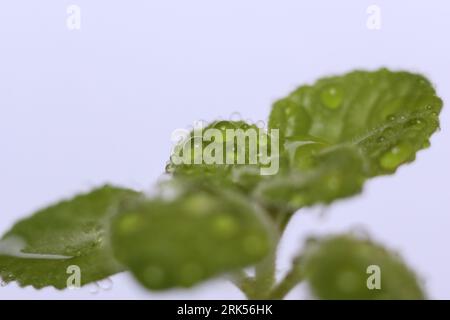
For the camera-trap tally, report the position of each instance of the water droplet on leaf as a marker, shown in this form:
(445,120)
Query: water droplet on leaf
(260,124)
(129,222)
(391,118)
(415,124)
(8,277)
(201,123)
(94,288)
(200,204)
(170,168)
(361,232)
(331,97)
(235,116)
(224,226)
(396,156)
(106,284)
(98,241)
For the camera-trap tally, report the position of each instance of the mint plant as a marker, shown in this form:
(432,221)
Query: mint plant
(211,219)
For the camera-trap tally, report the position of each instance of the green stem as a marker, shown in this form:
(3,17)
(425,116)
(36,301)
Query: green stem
(244,283)
(265,276)
(265,271)
(290,281)
(263,285)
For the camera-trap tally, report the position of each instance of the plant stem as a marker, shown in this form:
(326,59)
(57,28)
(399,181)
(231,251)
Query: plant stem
(289,282)
(244,283)
(265,271)
(263,285)
(265,276)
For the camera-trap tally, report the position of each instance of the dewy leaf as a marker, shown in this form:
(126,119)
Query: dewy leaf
(333,173)
(188,234)
(382,117)
(347,267)
(37,251)
(233,162)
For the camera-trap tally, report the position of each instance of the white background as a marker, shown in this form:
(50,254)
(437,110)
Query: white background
(81,108)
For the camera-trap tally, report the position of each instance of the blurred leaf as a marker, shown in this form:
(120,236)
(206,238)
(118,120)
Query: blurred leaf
(187,234)
(345,267)
(38,250)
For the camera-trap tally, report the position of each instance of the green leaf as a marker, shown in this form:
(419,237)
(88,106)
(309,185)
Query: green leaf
(347,267)
(38,250)
(371,122)
(189,233)
(242,176)
(333,173)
